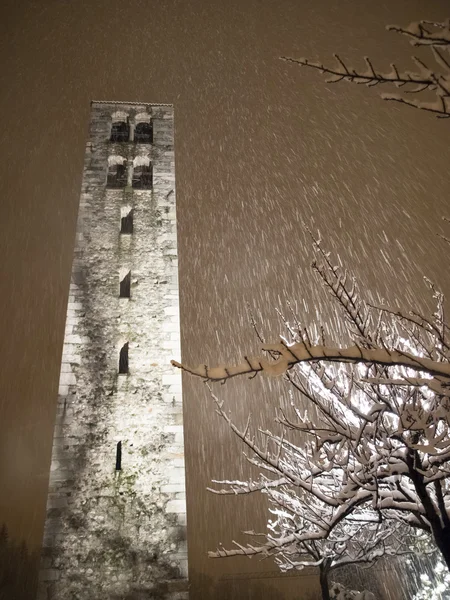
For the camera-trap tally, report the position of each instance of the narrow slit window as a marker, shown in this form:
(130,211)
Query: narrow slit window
(123,360)
(125,286)
(126,222)
(119,456)
(120,132)
(143,134)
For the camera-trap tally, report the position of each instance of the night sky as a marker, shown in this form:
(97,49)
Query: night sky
(263,148)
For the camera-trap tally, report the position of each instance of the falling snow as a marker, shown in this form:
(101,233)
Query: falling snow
(262,148)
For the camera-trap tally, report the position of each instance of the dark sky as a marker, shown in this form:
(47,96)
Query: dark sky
(262,148)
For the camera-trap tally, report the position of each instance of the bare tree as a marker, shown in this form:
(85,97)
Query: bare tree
(374,459)
(415,85)
(381,440)
(307,528)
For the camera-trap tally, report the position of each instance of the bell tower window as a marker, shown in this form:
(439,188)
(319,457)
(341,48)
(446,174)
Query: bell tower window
(142,173)
(117,172)
(120,132)
(143,134)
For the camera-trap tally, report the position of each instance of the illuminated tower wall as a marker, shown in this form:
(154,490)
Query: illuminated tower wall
(116,512)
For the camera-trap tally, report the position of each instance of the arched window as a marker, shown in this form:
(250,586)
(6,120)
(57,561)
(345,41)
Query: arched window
(120,131)
(117,172)
(142,173)
(143,133)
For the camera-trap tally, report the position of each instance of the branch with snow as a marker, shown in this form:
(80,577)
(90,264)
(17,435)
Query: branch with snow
(358,465)
(378,448)
(318,516)
(434,79)
(290,355)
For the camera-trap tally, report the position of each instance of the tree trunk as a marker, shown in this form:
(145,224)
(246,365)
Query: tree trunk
(442,539)
(323,575)
(441,534)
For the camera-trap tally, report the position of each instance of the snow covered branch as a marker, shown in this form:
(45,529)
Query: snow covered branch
(357,466)
(371,467)
(426,33)
(434,79)
(290,355)
(315,519)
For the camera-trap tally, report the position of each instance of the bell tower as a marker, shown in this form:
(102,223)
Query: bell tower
(116,511)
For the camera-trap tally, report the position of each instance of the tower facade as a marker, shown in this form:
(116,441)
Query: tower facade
(116,512)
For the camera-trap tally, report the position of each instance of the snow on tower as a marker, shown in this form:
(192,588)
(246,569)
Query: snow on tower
(116,512)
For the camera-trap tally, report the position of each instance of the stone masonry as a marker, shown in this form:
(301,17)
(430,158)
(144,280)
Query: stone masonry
(116,512)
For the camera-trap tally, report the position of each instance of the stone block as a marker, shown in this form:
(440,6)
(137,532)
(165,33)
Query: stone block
(174,389)
(173,429)
(172,379)
(171,327)
(173,487)
(176,506)
(72,320)
(74,339)
(179,438)
(66,379)
(182,519)
(61,475)
(75,306)
(175,475)
(63,390)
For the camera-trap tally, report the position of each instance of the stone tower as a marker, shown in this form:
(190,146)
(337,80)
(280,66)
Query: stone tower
(116,512)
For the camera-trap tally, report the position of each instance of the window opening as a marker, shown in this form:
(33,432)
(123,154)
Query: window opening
(126,222)
(143,177)
(119,456)
(117,175)
(120,132)
(123,360)
(125,286)
(143,133)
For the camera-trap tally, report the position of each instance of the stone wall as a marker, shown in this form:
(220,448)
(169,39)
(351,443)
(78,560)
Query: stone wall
(120,533)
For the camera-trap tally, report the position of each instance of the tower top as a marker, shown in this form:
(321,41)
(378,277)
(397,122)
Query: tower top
(129,103)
